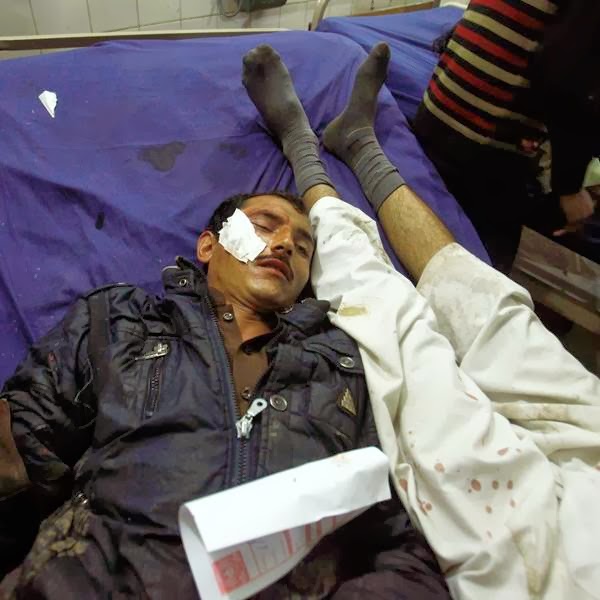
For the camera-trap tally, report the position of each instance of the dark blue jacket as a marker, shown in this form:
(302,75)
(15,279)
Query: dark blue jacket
(127,410)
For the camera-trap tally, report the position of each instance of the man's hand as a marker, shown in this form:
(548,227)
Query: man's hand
(13,475)
(577,208)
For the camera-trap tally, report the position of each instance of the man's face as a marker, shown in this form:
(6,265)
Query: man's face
(275,279)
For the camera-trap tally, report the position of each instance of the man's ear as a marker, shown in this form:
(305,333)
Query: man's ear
(205,246)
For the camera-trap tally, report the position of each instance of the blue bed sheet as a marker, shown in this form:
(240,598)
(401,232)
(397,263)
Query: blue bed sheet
(149,137)
(410,36)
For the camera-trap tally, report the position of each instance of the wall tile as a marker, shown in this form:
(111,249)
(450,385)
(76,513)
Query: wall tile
(265,18)
(339,8)
(112,14)
(198,8)
(293,16)
(210,22)
(60,16)
(169,26)
(365,6)
(158,11)
(16,18)
(240,21)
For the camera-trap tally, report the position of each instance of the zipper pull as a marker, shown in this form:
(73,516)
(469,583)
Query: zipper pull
(159,350)
(244,425)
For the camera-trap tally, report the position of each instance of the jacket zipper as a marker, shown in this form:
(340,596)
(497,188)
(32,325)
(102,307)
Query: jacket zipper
(241,445)
(157,354)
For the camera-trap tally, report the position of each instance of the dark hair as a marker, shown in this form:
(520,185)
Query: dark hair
(228,207)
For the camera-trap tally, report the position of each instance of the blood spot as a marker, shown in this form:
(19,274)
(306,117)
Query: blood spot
(503,451)
(488,509)
(428,506)
(439,467)
(495,484)
(476,485)
(489,534)
(512,503)
(509,485)
(404,484)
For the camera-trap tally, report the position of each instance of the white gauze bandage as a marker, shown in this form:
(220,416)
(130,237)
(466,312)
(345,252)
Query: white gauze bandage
(239,238)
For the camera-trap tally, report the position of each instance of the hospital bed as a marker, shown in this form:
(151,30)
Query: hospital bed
(149,136)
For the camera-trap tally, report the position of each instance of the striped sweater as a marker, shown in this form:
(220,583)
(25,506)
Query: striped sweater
(481,86)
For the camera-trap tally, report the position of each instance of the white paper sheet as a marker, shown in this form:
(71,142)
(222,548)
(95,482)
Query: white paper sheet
(49,100)
(244,539)
(239,238)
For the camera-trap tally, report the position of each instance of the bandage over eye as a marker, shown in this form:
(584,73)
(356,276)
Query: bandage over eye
(239,237)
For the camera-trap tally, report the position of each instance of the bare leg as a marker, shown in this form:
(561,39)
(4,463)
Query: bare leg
(315,193)
(414,231)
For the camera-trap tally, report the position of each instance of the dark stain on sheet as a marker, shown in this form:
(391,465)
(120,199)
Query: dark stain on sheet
(237,151)
(162,158)
(100,220)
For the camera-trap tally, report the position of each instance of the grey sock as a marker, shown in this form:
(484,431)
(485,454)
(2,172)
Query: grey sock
(377,176)
(301,148)
(351,136)
(270,87)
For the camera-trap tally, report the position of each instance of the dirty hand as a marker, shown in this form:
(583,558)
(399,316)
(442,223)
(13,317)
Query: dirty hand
(577,208)
(13,475)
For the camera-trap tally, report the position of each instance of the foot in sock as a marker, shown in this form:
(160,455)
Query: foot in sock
(351,136)
(362,106)
(270,87)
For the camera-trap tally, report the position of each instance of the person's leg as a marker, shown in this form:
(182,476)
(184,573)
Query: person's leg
(413,230)
(430,416)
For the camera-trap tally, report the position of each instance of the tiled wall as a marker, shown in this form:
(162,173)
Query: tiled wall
(31,17)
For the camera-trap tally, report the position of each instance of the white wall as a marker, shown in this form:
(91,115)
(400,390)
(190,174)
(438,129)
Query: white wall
(30,17)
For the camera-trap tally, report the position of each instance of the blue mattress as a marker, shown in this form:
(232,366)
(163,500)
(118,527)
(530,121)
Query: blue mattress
(149,137)
(410,36)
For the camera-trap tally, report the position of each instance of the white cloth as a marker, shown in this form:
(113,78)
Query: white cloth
(492,429)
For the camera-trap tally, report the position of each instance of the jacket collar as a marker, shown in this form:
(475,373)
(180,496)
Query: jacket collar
(186,279)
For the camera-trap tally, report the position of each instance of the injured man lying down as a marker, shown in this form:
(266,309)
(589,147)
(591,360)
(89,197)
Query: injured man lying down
(129,408)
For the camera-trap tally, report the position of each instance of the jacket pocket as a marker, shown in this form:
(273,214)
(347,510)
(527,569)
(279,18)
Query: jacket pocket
(155,358)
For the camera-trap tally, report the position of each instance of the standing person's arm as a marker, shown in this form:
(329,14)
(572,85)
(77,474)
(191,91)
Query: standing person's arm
(45,414)
(565,82)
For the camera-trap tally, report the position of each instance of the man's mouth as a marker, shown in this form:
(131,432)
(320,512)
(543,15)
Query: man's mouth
(275,264)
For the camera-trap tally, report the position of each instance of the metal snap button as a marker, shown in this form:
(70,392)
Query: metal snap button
(228,316)
(182,282)
(81,500)
(278,402)
(347,362)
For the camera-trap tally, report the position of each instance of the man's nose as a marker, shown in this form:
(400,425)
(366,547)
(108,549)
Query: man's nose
(282,241)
